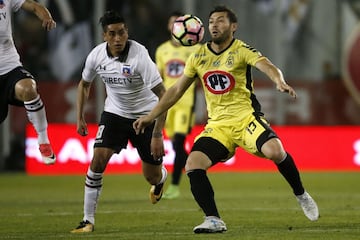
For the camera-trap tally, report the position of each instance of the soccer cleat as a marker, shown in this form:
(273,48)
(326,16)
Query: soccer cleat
(211,224)
(47,154)
(156,192)
(84,227)
(309,206)
(172,192)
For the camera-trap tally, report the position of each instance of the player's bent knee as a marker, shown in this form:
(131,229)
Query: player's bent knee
(273,150)
(197,160)
(276,156)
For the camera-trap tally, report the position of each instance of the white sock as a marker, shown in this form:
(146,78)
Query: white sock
(35,110)
(93,186)
(164,174)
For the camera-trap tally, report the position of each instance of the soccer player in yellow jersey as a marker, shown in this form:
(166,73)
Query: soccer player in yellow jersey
(235,118)
(170,59)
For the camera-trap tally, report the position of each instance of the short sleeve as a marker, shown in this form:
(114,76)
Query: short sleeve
(251,55)
(148,69)
(89,72)
(16,4)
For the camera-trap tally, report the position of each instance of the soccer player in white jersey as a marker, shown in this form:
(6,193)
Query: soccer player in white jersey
(17,85)
(235,117)
(133,86)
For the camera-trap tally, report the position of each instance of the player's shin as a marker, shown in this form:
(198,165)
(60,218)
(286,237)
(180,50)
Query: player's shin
(203,192)
(290,172)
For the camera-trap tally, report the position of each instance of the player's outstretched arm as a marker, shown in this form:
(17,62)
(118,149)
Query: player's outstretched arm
(41,12)
(275,74)
(171,96)
(157,143)
(159,91)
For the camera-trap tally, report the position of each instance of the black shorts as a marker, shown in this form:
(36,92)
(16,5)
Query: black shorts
(7,89)
(115,132)
(212,148)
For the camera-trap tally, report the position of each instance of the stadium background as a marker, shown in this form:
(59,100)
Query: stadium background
(315,43)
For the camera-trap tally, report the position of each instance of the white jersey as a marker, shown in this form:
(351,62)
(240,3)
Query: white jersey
(9,57)
(129,83)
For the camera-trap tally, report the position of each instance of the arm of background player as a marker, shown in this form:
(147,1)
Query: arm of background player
(83,92)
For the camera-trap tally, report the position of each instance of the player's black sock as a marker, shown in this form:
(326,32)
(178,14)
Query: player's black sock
(203,192)
(180,158)
(290,172)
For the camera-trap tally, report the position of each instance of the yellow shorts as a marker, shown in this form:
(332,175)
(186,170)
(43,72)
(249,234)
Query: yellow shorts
(250,134)
(180,119)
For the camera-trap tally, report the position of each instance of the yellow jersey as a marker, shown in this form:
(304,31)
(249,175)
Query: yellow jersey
(170,60)
(226,80)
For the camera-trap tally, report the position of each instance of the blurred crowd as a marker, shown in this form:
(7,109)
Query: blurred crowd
(58,55)
(290,41)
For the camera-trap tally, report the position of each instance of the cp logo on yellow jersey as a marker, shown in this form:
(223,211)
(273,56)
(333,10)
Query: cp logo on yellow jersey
(219,82)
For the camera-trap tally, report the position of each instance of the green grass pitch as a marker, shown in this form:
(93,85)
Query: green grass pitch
(253,205)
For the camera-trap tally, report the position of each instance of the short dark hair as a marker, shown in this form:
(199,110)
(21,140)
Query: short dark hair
(230,14)
(111,17)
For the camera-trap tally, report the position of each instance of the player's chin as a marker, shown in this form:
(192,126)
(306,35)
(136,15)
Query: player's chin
(118,47)
(216,39)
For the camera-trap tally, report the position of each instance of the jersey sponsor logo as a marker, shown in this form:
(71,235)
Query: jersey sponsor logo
(116,80)
(219,82)
(175,68)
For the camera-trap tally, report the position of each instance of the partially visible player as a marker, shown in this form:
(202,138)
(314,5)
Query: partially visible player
(133,87)
(17,85)
(170,58)
(235,118)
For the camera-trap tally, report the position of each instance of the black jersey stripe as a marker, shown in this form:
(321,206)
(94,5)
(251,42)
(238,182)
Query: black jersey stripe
(254,102)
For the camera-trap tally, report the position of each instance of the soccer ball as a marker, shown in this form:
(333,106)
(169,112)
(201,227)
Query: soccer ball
(188,30)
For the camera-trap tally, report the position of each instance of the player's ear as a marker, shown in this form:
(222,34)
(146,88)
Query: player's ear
(233,27)
(104,36)
(126,27)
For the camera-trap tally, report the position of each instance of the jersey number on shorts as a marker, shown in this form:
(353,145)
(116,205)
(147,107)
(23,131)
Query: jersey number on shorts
(100,131)
(251,127)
